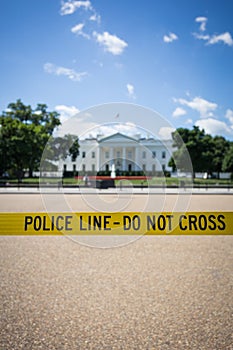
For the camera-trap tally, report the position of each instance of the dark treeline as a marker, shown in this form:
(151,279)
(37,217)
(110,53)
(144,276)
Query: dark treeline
(208,154)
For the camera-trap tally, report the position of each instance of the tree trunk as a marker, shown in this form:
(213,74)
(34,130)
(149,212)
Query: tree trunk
(30,173)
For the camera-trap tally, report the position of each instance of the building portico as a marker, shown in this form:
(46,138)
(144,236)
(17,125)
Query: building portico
(120,150)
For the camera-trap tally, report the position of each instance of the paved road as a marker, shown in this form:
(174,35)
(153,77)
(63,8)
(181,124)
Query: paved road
(162,293)
(114,202)
(127,190)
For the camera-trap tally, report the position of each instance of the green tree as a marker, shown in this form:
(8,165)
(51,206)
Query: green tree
(59,148)
(200,147)
(228,159)
(206,152)
(24,133)
(221,147)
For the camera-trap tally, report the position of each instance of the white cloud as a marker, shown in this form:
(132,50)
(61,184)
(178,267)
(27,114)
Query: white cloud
(111,43)
(199,104)
(95,18)
(8,110)
(213,126)
(38,112)
(229,115)
(178,112)
(77,124)
(202,21)
(69,7)
(226,38)
(70,73)
(127,128)
(78,29)
(170,38)
(130,89)
(165,132)
(189,121)
(201,36)
(66,111)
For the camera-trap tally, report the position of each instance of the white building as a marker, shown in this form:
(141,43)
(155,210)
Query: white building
(126,153)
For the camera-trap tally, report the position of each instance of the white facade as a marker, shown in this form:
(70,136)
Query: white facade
(126,153)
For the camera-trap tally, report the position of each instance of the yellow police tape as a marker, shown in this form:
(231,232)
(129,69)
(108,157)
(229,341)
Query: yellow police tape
(122,223)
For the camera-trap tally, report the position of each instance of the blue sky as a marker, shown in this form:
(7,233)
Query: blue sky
(175,57)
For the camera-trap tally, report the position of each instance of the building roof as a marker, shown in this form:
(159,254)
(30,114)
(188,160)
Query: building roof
(117,136)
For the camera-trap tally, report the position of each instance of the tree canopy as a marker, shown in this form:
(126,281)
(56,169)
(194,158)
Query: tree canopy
(24,133)
(208,154)
(228,160)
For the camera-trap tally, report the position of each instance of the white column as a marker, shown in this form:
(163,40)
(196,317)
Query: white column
(124,158)
(137,165)
(111,155)
(97,158)
(100,151)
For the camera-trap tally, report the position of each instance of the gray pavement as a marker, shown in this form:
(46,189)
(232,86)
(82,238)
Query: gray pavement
(117,190)
(162,293)
(157,293)
(40,202)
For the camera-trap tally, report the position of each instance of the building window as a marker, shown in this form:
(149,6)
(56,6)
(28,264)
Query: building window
(163,154)
(107,155)
(144,155)
(164,167)
(83,154)
(144,167)
(153,168)
(153,154)
(93,154)
(93,168)
(130,167)
(74,167)
(84,168)
(64,167)
(118,154)
(107,167)
(130,155)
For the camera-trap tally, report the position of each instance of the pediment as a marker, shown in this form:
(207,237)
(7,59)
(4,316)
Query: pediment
(118,137)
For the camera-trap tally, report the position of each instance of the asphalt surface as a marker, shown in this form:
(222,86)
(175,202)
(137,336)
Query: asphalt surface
(114,202)
(162,293)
